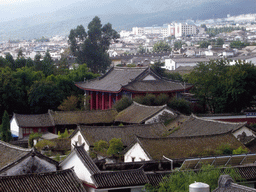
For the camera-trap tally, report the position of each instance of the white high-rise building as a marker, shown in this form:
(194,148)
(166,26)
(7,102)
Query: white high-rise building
(184,29)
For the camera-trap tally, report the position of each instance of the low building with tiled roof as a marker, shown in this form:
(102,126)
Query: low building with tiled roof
(196,126)
(65,180)
(91,134)
(138,113)
(179,147)
(95,179)
(18,161)
(22,125)
(130,81)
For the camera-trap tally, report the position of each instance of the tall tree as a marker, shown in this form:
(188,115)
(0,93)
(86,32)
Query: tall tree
(161,46)
(6,133)
(91,47)
(47,64)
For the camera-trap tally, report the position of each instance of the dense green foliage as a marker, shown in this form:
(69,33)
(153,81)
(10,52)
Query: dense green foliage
(122,104)
(91,47)
(180,105)
(33,136)
(5,128)
(113,148)
(238,44)
(180,180)
(223,87)
(43,144)
(215,31)
(36,86)
(161,46)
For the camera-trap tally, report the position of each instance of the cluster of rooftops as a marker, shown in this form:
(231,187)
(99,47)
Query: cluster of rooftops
(151,149)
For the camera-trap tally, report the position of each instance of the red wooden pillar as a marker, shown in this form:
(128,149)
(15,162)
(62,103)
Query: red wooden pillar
(116,97)
(109,101)
(102,101)
(91,99)
(97,100)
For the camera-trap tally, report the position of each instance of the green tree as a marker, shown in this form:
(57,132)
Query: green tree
(115,147)
(47,64)
(178,45)
(44,95)
(38,62)
(180,180)
(161,46)
(6,133)
(204,44)
(29,62)
(222,87)
(123,103)
(238,44)
(141,49)
(180,105)
(219,42)
(10,60)
(91,47)
(20,54)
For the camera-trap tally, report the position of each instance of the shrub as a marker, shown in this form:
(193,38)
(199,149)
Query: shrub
(101,147)
(180,105)
(33,136)
(63,135)
(239,150)
(122,103)
(115,147)
(44,144)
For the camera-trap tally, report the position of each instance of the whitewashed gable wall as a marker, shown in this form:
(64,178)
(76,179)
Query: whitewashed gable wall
(247,131)
(15,129)
(155,118)
(81,171)
(75,139)
(137,153)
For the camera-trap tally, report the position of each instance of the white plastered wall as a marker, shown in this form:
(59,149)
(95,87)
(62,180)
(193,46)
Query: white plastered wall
(247,131)
(156,117)
(81,171)
(74,139)
(15,129)
(136,153)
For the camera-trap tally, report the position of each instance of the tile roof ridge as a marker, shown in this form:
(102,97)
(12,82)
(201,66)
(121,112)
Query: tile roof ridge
(184,137)
(217,121)
(121,171)
(38,174)
(118,126)
(150,106)
(14,146)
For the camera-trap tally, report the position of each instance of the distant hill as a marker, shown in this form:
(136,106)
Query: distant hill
(121,14)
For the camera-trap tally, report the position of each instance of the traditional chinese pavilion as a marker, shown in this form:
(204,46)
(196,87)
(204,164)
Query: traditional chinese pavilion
(129,81)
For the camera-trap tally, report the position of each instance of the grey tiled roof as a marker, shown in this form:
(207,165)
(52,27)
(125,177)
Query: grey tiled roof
(113,80)
(83,117)
(126,133)
(40,120)
(155,86)
(10,153)
(52,181)
(120,178)
(137,113)
(187,147)
(196,126)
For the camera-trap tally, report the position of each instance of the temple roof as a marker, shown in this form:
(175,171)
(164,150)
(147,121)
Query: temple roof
(155,86)
(142,79)
(137,113)
(113,80)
